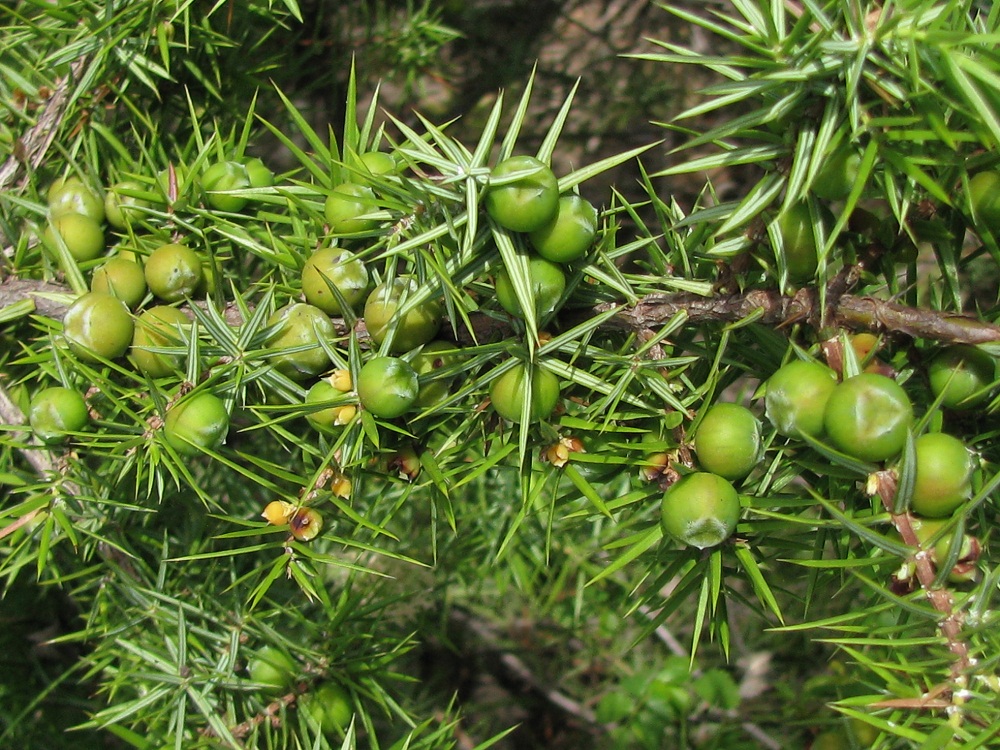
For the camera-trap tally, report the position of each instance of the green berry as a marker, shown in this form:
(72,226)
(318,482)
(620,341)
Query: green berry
(123,204)
(700,509)
(273,669)
(525,203)
(943,480)
(963,374)
(69,195)
(259,173)
(98,326)
(122,278)
(798,239)
(330,706)
(55,412)
(547,282)
(418,325)
(728,441)
(159,327)
(83,237)
(569,234)
(509,392)
(347,207)
(388,387)
(330,417)
(297,333)
(796,396)
(330,272)
(868,417)
(221,177)
(173,272)
(200,422)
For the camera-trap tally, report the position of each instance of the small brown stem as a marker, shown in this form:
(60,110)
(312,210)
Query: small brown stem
(769,306)
(34,144)
(271,712)
(941,599)
(10,413)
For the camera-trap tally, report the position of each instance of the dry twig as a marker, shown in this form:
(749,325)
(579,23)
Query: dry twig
(34,144)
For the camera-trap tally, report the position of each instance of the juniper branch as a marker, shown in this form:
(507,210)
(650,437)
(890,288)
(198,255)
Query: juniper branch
(34,144)
(773,308)
(940,598)
(770,307)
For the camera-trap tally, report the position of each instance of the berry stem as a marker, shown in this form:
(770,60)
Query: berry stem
(940,598)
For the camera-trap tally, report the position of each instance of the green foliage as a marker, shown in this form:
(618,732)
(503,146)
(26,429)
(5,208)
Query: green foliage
(365,543)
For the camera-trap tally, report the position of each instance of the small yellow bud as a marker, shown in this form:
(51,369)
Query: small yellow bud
(345,414)
(341,380)
(654,466)
(556,454)
(277,512)
(340,485)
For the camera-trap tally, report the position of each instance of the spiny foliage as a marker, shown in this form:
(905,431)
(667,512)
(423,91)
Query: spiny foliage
(179,583)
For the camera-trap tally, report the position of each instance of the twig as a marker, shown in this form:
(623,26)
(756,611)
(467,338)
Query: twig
(271,713)
(940,598)
(13,291)
(11,414)
(770,307)
(34,144)
(767,306)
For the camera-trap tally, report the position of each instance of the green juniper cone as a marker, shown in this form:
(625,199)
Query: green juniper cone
(388,387)
(199,422)
(81,235)
(700,509)
(97,326)
(157,327)
(943,478)
(868,417)
(173,272)
(510,391)
(298,334)
(386,313)
(56,412)
(522,203)
(728,441)
(796,397)
(122,278)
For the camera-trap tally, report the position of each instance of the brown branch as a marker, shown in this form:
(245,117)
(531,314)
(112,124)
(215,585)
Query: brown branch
(849,311)
(271,713)
(34,144)
(768,306)
(11,414)
(940,598)
(13,291)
